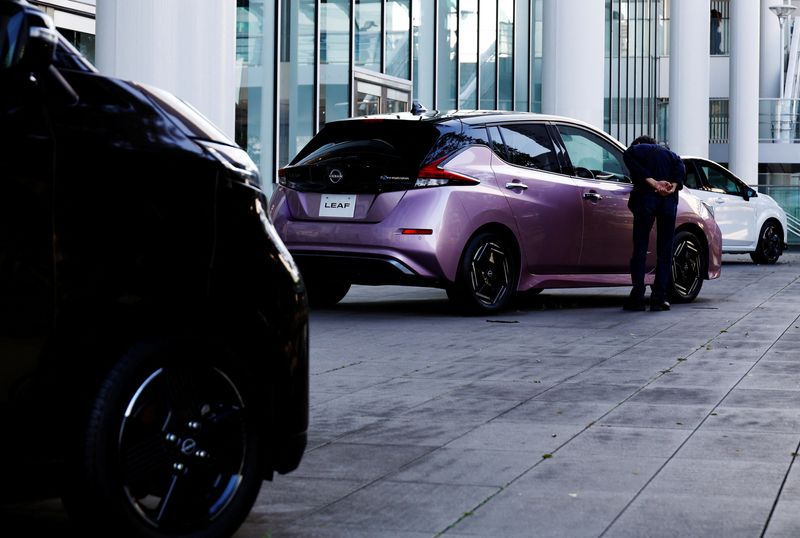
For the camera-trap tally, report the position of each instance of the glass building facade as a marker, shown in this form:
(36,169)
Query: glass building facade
(303,63)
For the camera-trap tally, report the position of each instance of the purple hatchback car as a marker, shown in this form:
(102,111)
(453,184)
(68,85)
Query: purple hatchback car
(482,204)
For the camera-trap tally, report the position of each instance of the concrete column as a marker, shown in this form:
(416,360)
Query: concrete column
(184,46)
(689,63)
(769,63)
(743,107)
(573,33)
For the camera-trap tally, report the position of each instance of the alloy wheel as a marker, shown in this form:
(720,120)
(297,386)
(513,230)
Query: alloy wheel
(686,268)
(490,274)
(182,447)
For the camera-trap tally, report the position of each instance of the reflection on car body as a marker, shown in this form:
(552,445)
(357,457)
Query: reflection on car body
(482,204)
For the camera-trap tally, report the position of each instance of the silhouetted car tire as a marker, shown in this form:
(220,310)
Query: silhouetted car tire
(687,268)
(487,275)
(770,243)
(324,293)
(171,447)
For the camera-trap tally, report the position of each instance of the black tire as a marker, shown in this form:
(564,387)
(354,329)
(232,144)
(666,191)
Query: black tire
(770,243)
(171,447)
(324,293)
(687,268)
(487,275)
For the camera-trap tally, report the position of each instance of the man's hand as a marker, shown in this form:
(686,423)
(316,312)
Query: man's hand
(664,188)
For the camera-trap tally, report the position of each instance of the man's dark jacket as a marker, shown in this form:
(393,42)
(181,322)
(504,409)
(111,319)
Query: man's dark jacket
(655,161)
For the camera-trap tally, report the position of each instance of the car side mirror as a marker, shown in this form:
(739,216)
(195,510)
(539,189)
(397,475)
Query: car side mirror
(748,193)
(28,38)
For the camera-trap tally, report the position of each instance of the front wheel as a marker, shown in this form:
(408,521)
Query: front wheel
(171,447)
(687,268)
(487,275)
(770,244)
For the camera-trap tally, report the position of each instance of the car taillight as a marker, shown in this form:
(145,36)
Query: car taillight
(433,175)
(282,176)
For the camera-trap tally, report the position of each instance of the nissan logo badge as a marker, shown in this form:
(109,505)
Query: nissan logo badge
(335,176)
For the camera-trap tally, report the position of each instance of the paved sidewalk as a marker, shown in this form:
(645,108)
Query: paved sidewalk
(566,418)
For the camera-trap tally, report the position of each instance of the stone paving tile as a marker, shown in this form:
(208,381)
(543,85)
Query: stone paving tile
(523,513)
(544,412)
(645,415)
(656,395)
(717,445)
(408,431)
(754,419)
(537,439)
(730,478)
(624,442)
(770,381)
(681,516)
(390,507)
(588,392)
(360,462)
(467,467)
(761,398)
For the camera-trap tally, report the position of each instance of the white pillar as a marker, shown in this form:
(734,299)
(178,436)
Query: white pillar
(574,59)
(769,63)
(184,46)
(743,107)
(689,63)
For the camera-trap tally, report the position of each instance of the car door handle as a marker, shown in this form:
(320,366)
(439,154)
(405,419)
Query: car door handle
(516,185)
(593,196)
(604,176)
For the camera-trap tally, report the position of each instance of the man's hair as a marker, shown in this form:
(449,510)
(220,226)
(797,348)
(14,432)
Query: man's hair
(644,139)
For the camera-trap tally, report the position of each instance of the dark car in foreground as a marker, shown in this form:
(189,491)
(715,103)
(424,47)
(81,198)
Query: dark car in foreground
(482,204)
(153,326)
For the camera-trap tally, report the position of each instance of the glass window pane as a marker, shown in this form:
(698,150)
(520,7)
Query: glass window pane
(468,54)
(297,77)
(334,58)
(505,54)
(398,19)
(369,24)
(588,151)
(529,145)
(488,53)
(82,41)
(448,41)
(247,122)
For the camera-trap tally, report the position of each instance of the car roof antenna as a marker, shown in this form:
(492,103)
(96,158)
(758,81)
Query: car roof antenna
(418,108)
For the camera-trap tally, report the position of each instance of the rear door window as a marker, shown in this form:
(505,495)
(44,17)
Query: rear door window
(525,144)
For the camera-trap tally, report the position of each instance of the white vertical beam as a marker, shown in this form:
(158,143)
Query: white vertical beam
(743,109)
(689,64)
(573,33)
(184,46)
(769,64)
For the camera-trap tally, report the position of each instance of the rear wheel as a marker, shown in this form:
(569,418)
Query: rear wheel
(171,447)
(487,276)
(323,293)
(770,243)
(687,268)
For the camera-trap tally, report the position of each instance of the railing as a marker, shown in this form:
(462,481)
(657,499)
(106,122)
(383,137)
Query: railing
(788,197)
(778,121)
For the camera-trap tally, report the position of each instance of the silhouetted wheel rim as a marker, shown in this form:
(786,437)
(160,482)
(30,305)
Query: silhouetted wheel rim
(490,274)
(770,243)
(686,268)
(182,447)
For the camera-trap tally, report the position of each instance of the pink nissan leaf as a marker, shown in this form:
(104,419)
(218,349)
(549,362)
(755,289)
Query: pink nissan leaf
(483,204)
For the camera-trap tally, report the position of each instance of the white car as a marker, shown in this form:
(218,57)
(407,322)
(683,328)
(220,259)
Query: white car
(750,221)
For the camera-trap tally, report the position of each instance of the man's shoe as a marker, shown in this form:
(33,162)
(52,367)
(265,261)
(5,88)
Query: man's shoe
(658,306)
(633,305)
